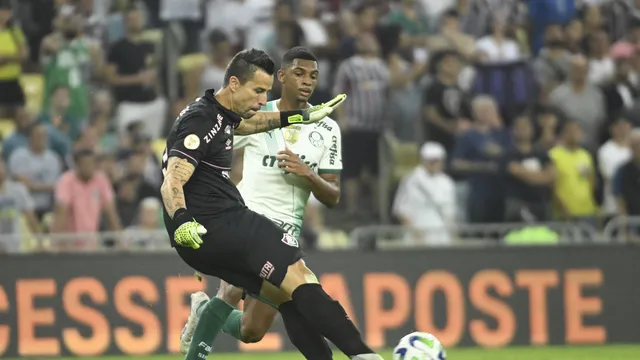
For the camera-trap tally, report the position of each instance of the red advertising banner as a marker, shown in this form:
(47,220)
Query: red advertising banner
(135,304)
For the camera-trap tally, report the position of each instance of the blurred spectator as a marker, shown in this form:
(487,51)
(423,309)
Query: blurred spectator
(364,21)
(66,61)
(498,46)
(414,23)
(620,94)
(581,101)
(451,38)
(57,141)
(611,156)
(188,15)
(530,175)
(405,96)
(574,187)
(211,74)
(479,151)
(426,199)
(365,78)
(288,35)
(444,102)
(574,37)
(136,167)
(148,163)
(38,168)
(553,64)
(630,43)
(238,17)
(543,13)
(58,114)
(13,51)
(592,20)
(143,235)
(102,120)
(269,35)
(15,203)
(547,128)
(627,187)
(127,200)
(82,196)
(314,31)
(435,9)
(601,67)
(133,74)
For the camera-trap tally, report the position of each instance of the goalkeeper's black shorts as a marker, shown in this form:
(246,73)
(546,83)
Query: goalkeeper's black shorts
(244,249)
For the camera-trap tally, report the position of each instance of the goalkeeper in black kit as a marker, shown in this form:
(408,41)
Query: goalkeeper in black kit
(216,234)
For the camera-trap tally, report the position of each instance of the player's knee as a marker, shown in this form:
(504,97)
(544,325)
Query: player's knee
(231,294)
(251,331)
(298,274)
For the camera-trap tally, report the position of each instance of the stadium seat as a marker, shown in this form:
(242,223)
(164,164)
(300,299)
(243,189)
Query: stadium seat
(191,61)
(158,147)
(6,128)
(33,86)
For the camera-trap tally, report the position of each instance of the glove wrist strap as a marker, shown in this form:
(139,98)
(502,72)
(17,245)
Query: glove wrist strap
(291,117)
(181,216)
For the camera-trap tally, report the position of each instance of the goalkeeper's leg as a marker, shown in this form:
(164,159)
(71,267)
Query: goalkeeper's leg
(251,325)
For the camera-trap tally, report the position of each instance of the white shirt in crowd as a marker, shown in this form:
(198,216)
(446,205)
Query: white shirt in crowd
(611,156)
(180,9)
(601,70)
(503,51)
(428,201)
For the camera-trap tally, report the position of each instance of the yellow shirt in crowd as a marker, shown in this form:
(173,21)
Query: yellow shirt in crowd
(11,41)
(573,185)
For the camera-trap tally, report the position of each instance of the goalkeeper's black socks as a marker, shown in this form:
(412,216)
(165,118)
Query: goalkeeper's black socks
(329,319)
(306,339)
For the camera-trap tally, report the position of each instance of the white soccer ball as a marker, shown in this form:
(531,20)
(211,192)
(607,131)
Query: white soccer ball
(419,346)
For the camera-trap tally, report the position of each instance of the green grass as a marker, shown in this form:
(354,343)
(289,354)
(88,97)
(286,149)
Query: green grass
(618,352)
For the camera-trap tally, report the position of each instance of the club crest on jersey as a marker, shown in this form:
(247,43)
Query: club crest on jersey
(291,136)
(227,130)
(192,141)
(228,144)
(316,139)
(290,240)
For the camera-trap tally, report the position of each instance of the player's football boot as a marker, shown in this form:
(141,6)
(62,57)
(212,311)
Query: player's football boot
(197,300)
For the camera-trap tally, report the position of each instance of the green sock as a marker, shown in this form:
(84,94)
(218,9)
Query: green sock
(233,324)
(212,318)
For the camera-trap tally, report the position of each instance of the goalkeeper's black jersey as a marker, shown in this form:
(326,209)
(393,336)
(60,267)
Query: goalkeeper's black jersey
(203,135)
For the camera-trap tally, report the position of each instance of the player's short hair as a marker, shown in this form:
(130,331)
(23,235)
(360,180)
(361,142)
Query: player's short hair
(245,64)
(298,52)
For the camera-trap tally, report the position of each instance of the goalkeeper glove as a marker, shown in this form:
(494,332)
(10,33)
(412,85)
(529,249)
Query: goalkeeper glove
(188,231)
(312,114)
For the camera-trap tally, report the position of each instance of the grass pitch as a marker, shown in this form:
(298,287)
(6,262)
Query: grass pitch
(609,352)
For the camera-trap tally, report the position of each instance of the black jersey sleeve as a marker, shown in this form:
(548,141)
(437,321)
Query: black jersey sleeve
(192,139)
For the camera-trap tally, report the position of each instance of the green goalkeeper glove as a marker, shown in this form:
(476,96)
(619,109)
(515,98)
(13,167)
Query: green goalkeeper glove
(312,114)
(189,232)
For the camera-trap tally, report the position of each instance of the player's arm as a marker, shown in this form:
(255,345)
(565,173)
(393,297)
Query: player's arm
(265,121)
(177,174)
(325,187)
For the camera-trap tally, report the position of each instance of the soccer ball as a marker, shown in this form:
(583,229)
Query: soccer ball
(419,346)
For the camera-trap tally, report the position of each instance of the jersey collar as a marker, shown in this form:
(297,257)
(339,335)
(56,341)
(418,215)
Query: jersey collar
(232,116)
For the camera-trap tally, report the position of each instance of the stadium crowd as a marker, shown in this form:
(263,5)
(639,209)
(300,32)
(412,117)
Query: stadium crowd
(516,110)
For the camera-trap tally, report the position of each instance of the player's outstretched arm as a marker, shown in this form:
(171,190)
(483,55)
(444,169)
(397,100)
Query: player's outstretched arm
(265,121)
(179,171)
